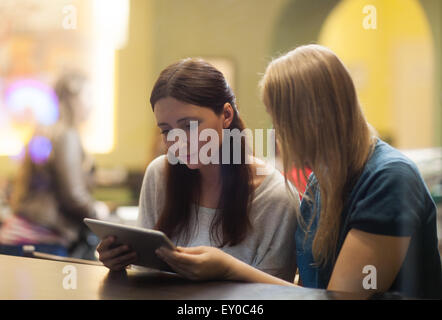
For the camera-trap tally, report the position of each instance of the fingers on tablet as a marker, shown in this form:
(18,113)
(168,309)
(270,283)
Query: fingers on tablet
(122,261)
(113,253)
(115,258)
(105,244)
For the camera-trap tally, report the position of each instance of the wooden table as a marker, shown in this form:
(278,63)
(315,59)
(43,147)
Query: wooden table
(35,279)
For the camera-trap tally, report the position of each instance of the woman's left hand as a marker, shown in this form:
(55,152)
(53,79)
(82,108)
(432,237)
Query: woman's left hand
(198,263)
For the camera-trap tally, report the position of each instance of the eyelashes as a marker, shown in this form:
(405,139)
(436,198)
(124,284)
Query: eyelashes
(186,127)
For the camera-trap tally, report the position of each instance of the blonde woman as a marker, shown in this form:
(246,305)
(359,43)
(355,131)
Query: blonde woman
(366,209)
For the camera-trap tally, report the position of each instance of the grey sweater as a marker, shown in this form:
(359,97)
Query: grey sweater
(269,246)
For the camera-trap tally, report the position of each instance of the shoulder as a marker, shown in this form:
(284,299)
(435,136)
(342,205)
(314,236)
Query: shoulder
(152,190)
(391,166)
(65,137)
(66,146)
(273,185)
(155,172)
(157,166)
(274,199)
(391,197)
(159,163)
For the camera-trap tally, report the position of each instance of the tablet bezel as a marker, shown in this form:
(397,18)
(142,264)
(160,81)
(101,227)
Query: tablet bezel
(143,241)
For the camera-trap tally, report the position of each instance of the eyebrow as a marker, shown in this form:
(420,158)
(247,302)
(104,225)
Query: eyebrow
(179,120)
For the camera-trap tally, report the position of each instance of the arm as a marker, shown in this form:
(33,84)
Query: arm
(202,263)
(151,200)
(71,180)
(276,254)
(360,249)
(118,258)
(274,221)
(381,226)
(146,203)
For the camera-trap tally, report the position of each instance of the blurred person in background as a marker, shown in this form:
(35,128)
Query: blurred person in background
(52,191)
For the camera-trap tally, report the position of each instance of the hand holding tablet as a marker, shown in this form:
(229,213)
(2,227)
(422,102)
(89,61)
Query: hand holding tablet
(122,245)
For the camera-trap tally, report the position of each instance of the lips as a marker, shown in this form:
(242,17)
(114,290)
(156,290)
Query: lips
(190,155)
(186,159)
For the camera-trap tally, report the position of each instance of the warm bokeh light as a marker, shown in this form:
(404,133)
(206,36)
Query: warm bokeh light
(110,27)
(81,36)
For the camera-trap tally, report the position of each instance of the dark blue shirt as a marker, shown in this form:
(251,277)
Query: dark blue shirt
(389,198)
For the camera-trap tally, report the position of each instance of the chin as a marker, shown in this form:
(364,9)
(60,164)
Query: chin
(193,166)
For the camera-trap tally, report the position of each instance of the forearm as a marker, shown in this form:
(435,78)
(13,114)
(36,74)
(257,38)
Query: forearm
(240,271)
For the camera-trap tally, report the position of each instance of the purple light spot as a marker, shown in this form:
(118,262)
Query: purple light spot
(35,95)
(39,149)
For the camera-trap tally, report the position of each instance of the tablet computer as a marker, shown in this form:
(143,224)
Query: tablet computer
(143,241)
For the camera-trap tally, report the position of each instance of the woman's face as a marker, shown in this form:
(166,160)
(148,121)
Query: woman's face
(174,114)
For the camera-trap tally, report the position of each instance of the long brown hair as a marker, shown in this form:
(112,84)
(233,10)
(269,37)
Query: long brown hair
(197,82)
(320,124)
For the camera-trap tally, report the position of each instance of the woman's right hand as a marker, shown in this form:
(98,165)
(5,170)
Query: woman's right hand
(199,263)
(205,263)
(115,258)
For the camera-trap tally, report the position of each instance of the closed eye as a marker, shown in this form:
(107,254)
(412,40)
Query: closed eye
(187,124)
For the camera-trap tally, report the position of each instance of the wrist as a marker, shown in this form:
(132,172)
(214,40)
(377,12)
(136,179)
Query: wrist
(233,269)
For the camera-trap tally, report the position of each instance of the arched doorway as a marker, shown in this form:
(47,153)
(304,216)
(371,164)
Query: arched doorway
(392,65)
(391,59)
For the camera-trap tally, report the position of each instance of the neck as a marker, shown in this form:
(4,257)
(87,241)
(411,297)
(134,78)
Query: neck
(210,175)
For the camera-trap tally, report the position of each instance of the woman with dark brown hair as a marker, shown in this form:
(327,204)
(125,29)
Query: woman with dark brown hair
(368,222)
(226,204)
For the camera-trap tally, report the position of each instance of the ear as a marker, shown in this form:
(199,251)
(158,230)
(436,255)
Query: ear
(228,114)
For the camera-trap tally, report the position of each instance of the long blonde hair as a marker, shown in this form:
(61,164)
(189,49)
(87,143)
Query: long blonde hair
(320,124)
